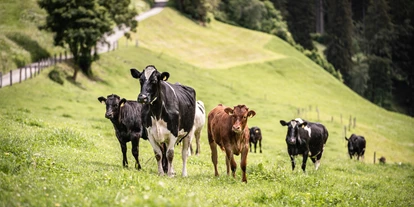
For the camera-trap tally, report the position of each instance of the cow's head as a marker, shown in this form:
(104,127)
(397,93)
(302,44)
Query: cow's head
(150,80)
(239,116)
(292,136)
(113,104)
(351,142)
(254,134)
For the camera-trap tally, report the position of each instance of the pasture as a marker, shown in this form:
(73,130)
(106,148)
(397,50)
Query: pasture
(57,148)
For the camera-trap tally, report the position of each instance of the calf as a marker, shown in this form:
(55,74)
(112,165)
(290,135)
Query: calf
(305,138)
(356,145)
(126,119)
(255,137)
(199,121)
(167,113)
(227,128)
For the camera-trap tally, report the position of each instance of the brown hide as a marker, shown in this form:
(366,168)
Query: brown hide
(227,128)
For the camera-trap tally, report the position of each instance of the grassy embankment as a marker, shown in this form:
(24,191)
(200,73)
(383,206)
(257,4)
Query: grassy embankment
(57,149)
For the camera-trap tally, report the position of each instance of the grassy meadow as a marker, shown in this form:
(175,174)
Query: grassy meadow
(57,148)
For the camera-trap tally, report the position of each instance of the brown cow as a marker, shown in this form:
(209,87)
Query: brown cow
(228,128)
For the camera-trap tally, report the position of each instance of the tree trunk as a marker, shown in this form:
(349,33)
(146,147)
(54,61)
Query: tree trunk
(319,16)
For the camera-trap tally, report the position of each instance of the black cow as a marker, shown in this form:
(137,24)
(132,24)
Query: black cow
(305,138)
(167,114)
(126,118)
(255,137)
(356,145)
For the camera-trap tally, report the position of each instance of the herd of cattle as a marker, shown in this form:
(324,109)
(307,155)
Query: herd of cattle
(167,114)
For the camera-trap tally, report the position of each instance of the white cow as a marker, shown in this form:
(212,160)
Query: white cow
(199,121)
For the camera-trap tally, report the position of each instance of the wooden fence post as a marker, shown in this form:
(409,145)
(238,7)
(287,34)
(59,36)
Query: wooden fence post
(60,57)
(38,67)
(350,123)
(354,122)
(375,155)
(136,43)
(66,55)
(317,111)
(55,60)
(20,75)
(30,69)
(11,77)
(1,79)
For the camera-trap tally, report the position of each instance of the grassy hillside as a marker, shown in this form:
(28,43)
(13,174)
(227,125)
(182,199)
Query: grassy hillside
(57,149)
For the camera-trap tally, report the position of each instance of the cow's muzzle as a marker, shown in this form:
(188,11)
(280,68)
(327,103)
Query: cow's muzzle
(291,141)
(109,115)
(237,129)
(143,99)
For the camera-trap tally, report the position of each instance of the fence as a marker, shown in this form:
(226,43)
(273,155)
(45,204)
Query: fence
(27,72)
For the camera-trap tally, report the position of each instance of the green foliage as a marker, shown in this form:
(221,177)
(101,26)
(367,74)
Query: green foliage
(82,24)
(56,76)
(300,20)
(256,15)
(316,57)
(378,37)
(339,49)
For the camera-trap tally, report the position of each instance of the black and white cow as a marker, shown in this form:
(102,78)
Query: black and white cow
(168,114)
(255,137)
(356,145)
(126,119)
(199,122)
(305,138)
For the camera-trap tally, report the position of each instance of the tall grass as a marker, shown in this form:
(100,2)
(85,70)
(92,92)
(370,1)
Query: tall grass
(57,148)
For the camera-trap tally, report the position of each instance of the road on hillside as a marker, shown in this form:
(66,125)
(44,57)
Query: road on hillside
(32,69)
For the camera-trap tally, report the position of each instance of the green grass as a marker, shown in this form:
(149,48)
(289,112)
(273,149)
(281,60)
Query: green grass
(57,149)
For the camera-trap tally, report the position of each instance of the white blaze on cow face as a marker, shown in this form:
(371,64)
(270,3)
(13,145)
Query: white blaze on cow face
(148,72)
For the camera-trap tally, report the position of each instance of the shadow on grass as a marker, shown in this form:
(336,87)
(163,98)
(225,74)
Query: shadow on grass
(36,51)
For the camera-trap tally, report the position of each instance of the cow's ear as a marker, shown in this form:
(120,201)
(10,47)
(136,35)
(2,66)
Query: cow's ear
(283,122)
(228,111)
(303,124)
(135,73)
(122,102)
(102,99)
(164,76)
(251,114)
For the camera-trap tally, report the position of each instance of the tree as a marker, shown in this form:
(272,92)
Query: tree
(378,32)
(80,25)
(300,21)
(339,49)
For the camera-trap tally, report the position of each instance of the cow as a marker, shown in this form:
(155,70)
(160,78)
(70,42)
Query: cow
(255,137)
(356,145)
(305,138)
(126,119)
(199,121)
(168,113)
(227,128)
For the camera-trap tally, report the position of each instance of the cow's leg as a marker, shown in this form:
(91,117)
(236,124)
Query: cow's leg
(260,145)
(170,155)
(135,151)
(158,154)
(197,136)
(318,158)
(124,156)
(255,145)
(184,154)
(305,159)
(292,160)
(250,146)
(243,164)
(213,148)
(231,163)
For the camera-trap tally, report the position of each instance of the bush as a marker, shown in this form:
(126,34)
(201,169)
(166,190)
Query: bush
(56,76)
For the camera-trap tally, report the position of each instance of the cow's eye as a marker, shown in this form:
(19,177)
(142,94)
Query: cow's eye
(244,117)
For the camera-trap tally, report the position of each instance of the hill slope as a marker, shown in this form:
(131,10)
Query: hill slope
(56,147)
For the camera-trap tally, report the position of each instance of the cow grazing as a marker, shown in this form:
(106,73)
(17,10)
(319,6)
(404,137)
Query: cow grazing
(227,128)
(305,138)
(255,137)
(199,121)
(126,119)
(168,114)
(356,145)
